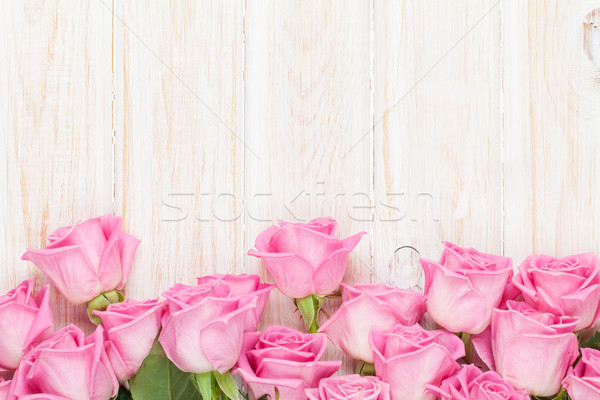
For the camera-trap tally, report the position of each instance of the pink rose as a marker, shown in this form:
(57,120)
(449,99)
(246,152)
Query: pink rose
(204,325)
(246,286)
(464,287)
(470,383)
(68,365)
(354,387)
(368,306)
(89,258)
(4,389)
(25,320)
(562,286)
(410,358)
(583,381)
(531,350)
(285,360)
(131,328)
(305,259)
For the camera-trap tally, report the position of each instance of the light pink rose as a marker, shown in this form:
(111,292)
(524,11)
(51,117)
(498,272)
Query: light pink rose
(68,365)
(409,358)
(470,383)
(464,287)
(131,328)
(353,387)
(583,381)
(25,320)
(87,259)
(305,259)
(246,286)
(204,325)
(368,306)
(531,350)
(284,359)
(4,389)
(562,286)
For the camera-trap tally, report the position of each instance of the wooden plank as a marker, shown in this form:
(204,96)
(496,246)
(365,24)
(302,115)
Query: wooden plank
(55,119)
(552,103)
(437,142)
(308,102)
(179,127)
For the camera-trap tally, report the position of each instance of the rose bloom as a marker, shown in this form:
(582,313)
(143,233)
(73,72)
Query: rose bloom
(562,286)
(246,286)
(305,259)
(89,258)
(353,387)
(25,320)
(368,306)
(470,383)
(464,287)
(131,328)
(531,350)
(285,360)
(68,365)
(583,381)
(4,389)
(204,325)
(409,358)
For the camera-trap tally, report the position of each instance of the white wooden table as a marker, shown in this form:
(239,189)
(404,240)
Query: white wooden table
(202,122)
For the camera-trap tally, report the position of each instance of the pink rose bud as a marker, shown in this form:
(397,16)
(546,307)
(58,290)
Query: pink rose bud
(464,287)
(25,320)
(66,365)
(562,286)
(354,387)
(583,381)
(284,361)
(471,383)
(131,328)
(409,358)
(305,259)
(368,306)
(89,258)
(531,350)
(204,325)
(247,286)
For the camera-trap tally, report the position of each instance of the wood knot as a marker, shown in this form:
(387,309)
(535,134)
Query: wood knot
(591,36)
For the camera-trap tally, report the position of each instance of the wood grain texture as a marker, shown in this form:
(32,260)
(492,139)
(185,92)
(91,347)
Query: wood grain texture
(55,120)
(438,133)
(204,122)
(552,117)
(179,126)
(307,103)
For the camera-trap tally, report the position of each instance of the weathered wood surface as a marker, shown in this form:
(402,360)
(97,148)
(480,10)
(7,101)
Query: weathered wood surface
(202,123)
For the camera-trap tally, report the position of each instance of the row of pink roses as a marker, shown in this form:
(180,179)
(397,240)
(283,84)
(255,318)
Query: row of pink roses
(521,327)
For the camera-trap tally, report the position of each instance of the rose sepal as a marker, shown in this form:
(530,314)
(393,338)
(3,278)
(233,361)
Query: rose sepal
(309,308)
(101,303)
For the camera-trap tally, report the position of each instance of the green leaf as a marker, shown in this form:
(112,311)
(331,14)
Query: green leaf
(159,379)
(123,394)
(227,384)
